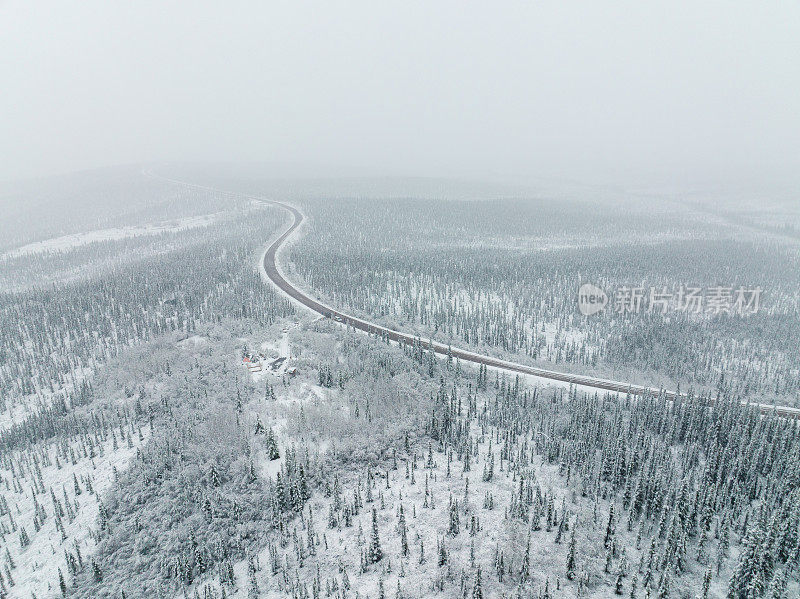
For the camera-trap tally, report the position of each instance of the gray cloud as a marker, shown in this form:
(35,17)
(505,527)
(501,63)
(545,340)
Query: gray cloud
(506,90)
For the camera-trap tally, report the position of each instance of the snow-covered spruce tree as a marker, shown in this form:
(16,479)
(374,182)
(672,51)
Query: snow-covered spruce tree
(375,554)
(571,555)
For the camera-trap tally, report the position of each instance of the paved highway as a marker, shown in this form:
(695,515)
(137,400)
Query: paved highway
(273,271)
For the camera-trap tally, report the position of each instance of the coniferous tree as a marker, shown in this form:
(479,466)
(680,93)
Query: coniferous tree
(746,580)
(442,552)
(97,573)
(454,525)
(525,571)
(62,584)
(571,556)
(777,587)
(375,554)
(706,584)
(618,583)
(272,446)
(634,581)
(610,528)
(403,533)
(477,588)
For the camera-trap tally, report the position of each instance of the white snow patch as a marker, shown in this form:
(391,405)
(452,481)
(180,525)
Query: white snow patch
(193,342)
(37,564)
(69,242)
(18,409)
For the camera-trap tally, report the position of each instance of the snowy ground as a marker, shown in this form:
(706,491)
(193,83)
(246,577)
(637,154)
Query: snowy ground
(68,242)
(20,408)
(425,498)
(36,566)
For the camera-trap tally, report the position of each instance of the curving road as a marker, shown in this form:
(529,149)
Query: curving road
(273,271)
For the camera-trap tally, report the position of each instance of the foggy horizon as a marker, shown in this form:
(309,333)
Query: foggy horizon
(656,94)
(370,300)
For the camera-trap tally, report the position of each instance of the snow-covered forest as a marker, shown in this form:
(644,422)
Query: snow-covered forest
(172,426)
(399,300)
(503,276)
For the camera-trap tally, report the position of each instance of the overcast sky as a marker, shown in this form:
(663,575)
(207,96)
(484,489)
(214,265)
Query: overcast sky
(485,89)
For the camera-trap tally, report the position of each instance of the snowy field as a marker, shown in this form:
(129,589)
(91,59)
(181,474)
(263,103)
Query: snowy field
(69,242)
(53,502)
